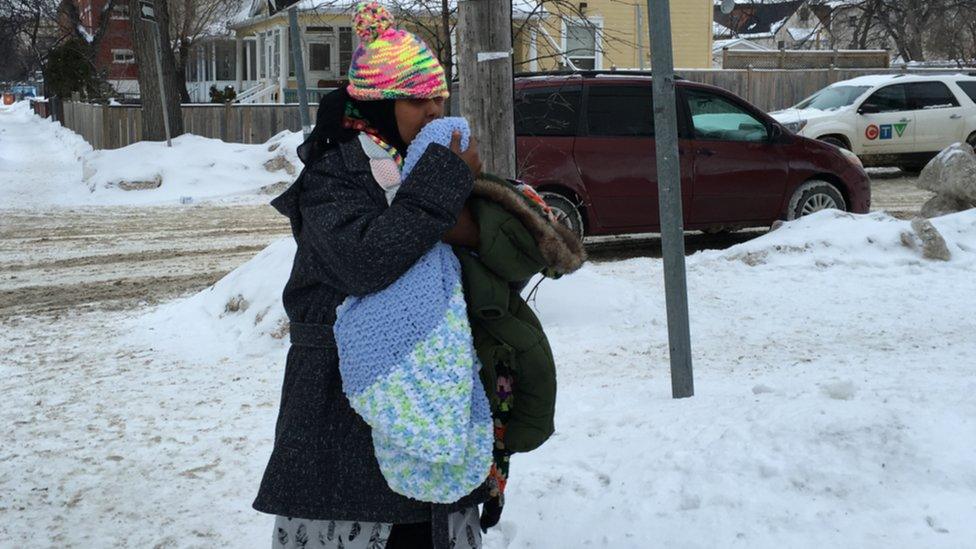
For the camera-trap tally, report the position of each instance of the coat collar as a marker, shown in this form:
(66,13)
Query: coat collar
(354,157)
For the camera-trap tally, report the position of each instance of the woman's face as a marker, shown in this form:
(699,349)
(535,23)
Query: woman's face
(413,114)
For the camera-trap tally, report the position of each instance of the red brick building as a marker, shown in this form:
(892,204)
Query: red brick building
(114,52)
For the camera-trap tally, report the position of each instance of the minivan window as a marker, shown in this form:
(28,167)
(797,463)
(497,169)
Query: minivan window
(715,118)
(969,87)
(889,99)
(832,98)
(620,111)
(547,112)
(931,95)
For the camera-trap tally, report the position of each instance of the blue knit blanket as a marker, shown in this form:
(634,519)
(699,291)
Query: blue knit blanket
(409,368)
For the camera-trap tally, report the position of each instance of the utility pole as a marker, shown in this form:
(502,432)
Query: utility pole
(296,53)
(148,14)
(669,197)
(486,86)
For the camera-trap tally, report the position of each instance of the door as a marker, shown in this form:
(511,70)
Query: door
(886,121)
(740,175)
(616,156)
(938,116)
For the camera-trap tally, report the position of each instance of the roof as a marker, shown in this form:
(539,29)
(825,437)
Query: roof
(737,44)
(755,18)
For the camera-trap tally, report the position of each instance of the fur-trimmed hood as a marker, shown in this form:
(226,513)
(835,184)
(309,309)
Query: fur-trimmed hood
(560,247)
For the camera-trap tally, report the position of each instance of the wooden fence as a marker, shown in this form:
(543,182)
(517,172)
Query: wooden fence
(116,126)
(804,59)
(112,127)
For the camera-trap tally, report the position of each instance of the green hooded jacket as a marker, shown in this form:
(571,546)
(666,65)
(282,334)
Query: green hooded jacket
(517,241)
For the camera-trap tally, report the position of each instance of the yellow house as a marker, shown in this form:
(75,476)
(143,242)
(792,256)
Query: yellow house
(608,34)
(547,35)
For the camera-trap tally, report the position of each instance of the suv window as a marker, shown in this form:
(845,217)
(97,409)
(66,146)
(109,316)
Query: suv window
(889,99)
(715,118)
(547,112)
(931,95)
(969,87)
(624,111)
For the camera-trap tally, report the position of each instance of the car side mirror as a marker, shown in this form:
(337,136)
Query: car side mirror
(776,133)
(868,108)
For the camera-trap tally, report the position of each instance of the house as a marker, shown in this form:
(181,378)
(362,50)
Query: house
(113,56)
(607,34)
(775,24)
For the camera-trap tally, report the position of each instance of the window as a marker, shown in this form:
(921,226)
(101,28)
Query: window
(550,112)
(889,99)
(852,21)
(252,70)
(781,45)
(718,119)
(120,11)
(625,111)
(833,98)
(580,41)
(931,95)
(320,57)
(970,88)
(345,49)
(226,61)
(123,57)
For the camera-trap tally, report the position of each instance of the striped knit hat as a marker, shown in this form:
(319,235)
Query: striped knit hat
(391,63)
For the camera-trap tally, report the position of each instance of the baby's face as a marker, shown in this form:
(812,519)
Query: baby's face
(413,114)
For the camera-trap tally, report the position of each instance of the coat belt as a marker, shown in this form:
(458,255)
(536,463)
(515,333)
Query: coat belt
(304,334)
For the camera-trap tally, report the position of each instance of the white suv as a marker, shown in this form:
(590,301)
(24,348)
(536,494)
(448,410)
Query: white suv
(889,120)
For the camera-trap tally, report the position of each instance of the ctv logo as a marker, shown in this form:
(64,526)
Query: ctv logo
(885,131)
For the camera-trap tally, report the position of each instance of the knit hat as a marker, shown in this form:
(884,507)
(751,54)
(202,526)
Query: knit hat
(391,63)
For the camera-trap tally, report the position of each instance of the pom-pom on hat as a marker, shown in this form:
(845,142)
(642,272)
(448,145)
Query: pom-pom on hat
(391,63)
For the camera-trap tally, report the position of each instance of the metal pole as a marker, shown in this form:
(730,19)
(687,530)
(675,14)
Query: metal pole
(296,55)
(162,82)
(669,197)
(640,37)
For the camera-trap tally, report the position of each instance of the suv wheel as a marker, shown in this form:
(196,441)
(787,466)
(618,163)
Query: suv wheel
(813,196)
(835,141)
(971,140)
(566,212)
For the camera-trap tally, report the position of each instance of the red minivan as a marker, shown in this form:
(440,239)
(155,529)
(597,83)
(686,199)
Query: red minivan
(585,140)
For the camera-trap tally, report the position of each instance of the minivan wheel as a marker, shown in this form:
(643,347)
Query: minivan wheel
(566,212)
(813,196)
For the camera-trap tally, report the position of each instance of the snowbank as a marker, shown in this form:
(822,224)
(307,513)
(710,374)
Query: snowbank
(828,239)
(195,167)
(831,238)
(45,164)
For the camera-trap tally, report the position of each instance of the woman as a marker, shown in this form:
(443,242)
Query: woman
(322,480)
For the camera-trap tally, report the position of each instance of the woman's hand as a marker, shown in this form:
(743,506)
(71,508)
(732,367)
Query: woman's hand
(465,232)
(470,156)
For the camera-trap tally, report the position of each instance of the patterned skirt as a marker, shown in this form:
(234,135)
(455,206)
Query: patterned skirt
(299,533)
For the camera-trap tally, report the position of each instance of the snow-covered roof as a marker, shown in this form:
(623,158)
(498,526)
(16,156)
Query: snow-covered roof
(737,44)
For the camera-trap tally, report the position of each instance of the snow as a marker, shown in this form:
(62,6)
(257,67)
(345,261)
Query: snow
(195,167)
(833,408)
(833,370)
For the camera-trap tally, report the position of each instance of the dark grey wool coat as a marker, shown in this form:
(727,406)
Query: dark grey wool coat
(349,243)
